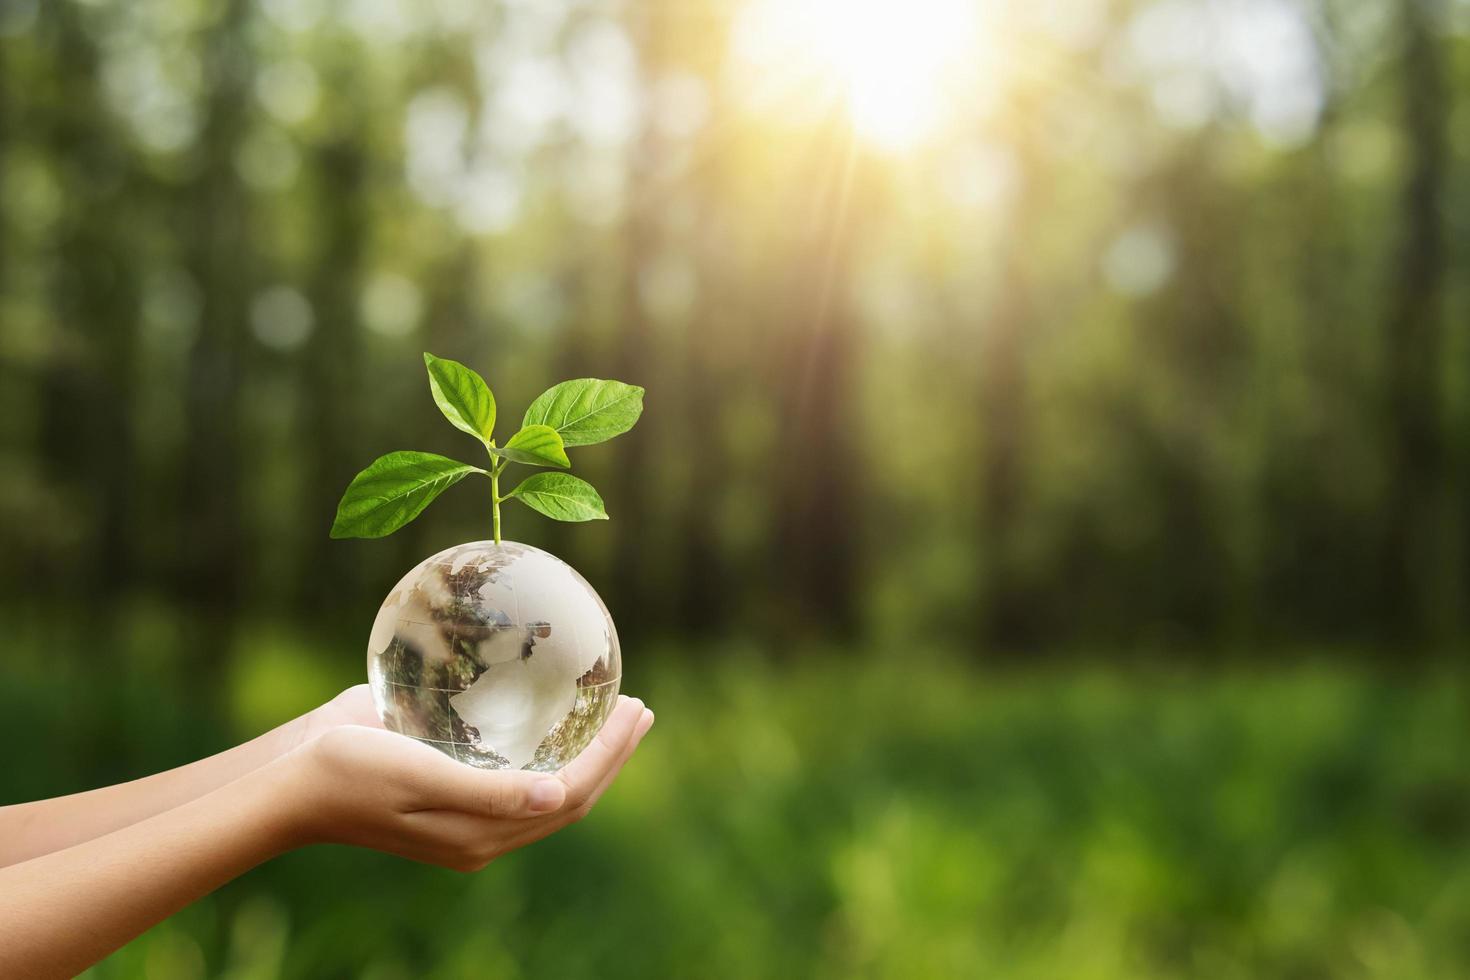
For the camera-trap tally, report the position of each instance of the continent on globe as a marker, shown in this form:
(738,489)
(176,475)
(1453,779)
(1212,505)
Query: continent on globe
(501,656)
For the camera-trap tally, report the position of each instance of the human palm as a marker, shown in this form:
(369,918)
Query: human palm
(369,787)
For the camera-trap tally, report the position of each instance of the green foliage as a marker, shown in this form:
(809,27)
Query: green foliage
(393,491)
(588,410)
(561,497)
(1170,364)
(1200,375)
(397,487)
(463,397)
(834,818)
(536,445)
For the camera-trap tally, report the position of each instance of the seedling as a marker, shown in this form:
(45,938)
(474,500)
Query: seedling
(397,487)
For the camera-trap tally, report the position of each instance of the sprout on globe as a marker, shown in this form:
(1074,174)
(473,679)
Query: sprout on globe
(495,653)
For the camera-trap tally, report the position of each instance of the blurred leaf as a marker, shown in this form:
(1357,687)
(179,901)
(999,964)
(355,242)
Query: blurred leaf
(535,445)
(394,490)
(462,395)
(561,497)
(587,410)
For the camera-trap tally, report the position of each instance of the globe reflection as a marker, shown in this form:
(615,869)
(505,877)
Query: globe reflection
(501,656)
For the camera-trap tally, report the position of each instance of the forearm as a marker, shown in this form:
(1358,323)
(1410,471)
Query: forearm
(65,910)
(28,830)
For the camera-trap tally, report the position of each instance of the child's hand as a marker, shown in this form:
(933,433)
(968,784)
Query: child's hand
(130,855)
(352,784)
(353,706)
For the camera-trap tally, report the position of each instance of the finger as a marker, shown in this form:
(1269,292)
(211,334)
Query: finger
(576,808)
(582,775)
(466,833)
(534,830)
(509,794)
(457,838)
(645,722)
(356,704)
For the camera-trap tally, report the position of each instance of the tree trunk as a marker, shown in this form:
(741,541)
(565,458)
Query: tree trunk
(816,548)
(1004,609)
(211,553)
(634,567)
(89,385)
(333,360)
(1414,564)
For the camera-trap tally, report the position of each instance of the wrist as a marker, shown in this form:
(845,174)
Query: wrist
(298,731)
(281,795)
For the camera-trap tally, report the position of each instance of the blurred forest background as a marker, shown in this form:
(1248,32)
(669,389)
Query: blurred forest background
(1047,539)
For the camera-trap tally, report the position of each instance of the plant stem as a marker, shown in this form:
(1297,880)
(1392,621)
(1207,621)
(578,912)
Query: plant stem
(495,497)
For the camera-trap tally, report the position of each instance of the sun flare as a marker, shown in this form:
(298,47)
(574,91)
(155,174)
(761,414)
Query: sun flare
(893,64)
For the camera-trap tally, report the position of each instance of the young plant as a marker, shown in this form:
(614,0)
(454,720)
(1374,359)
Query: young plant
(397,487)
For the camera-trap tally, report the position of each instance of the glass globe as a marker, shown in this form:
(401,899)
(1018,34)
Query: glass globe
(499,655)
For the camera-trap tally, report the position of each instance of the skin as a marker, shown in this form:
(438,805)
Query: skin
(130,855)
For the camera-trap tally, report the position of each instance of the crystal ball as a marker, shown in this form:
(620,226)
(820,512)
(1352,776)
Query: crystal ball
(499,655)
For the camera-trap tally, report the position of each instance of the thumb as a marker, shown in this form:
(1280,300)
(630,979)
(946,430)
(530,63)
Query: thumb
(509,794)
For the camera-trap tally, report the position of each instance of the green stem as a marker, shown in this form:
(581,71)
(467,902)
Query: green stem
(495,497)
(496,465)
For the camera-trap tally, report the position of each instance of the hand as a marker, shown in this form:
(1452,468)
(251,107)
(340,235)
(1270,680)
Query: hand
(32,829)
(353,784)
(194,828)
(353,706)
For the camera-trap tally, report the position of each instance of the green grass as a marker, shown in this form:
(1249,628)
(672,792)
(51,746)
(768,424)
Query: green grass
(826,818)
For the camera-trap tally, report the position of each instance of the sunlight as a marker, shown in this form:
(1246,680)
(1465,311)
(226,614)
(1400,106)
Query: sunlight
(892,62)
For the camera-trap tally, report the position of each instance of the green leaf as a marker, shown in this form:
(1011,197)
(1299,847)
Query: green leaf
(463,396)
(536,445)
(393,491)
(587,410)
(561,496)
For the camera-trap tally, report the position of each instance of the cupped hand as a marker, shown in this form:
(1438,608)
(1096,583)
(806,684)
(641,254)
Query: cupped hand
(353,706)
(361,785)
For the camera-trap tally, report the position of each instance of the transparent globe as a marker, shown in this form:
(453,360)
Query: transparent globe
(500,656)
